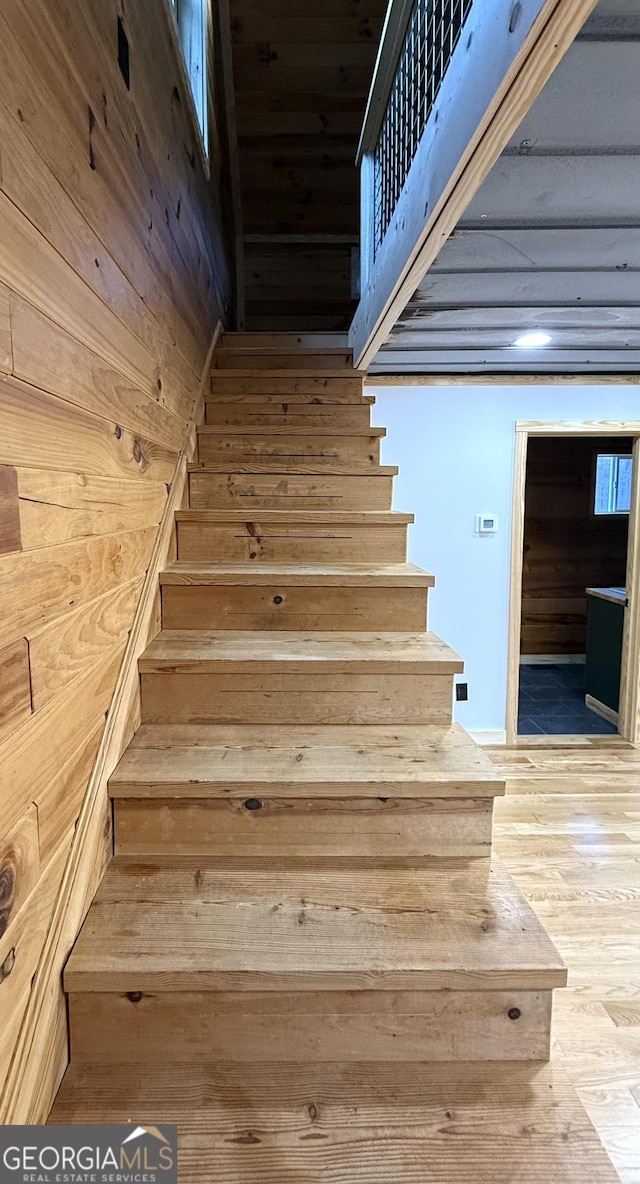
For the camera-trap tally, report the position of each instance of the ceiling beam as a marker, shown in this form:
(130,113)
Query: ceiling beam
(510,359)
(463,338)
(579,316)
(486,378)
(558,190)
(526,289)
(516,248)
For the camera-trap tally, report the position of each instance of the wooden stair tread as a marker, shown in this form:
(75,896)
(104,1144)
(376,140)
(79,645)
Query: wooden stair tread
(278,430)
(293,466)
(211,761)
(331,517)
(298,652)
(379,575)
(176,924)
(471,1123)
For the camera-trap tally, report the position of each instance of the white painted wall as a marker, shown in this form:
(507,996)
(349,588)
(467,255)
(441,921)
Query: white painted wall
(455,449)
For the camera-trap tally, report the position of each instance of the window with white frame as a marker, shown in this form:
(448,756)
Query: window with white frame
(192,24)
(613,483)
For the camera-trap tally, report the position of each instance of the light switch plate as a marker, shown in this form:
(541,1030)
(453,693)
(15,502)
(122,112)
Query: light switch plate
(486,524)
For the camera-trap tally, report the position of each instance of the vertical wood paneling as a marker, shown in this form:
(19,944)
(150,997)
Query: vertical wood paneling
(5,331)
(59,507)
(19,950)
(113,280)
(19,870)
(15,687)
(62,437)
(10,539)
(61,798)
(37,587)
(65,647)
(47,357)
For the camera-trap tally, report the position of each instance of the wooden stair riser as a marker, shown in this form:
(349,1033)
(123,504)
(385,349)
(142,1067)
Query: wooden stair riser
(289,542)
(284,341)
(316,1026)
(309,698)
(232,359)
(288,450)
(228,385)
(281,607)
(390,828)
(294,491)
(281,413)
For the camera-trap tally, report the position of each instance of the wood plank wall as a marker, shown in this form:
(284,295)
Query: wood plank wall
(302,72)
(566,548)
(113,277)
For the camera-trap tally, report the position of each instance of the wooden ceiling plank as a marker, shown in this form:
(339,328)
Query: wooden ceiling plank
(530,288)
(557,190)
(515,248)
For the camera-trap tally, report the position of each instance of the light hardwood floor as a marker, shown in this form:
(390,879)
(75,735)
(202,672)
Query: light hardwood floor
(568,830)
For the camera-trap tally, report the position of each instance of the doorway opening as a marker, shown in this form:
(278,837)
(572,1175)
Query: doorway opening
(573,670)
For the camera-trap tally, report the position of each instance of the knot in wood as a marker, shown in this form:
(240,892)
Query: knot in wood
(7,965)
(7,884)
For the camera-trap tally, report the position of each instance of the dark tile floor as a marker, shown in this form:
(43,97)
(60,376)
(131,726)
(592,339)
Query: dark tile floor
(552,703)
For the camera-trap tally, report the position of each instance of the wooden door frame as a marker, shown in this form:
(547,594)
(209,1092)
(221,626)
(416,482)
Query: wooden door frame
(628,721)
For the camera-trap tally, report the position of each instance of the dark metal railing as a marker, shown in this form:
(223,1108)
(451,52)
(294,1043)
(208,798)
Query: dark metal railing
(433,31)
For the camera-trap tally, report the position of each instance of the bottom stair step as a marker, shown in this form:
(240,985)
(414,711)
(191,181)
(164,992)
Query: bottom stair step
(357,1124)
(236,960)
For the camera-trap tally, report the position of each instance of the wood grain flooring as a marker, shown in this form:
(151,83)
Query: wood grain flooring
(568,830)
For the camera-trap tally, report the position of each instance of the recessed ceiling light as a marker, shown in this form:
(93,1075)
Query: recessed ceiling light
(532,341)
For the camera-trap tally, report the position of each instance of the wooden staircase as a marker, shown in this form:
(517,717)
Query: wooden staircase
(302,836)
